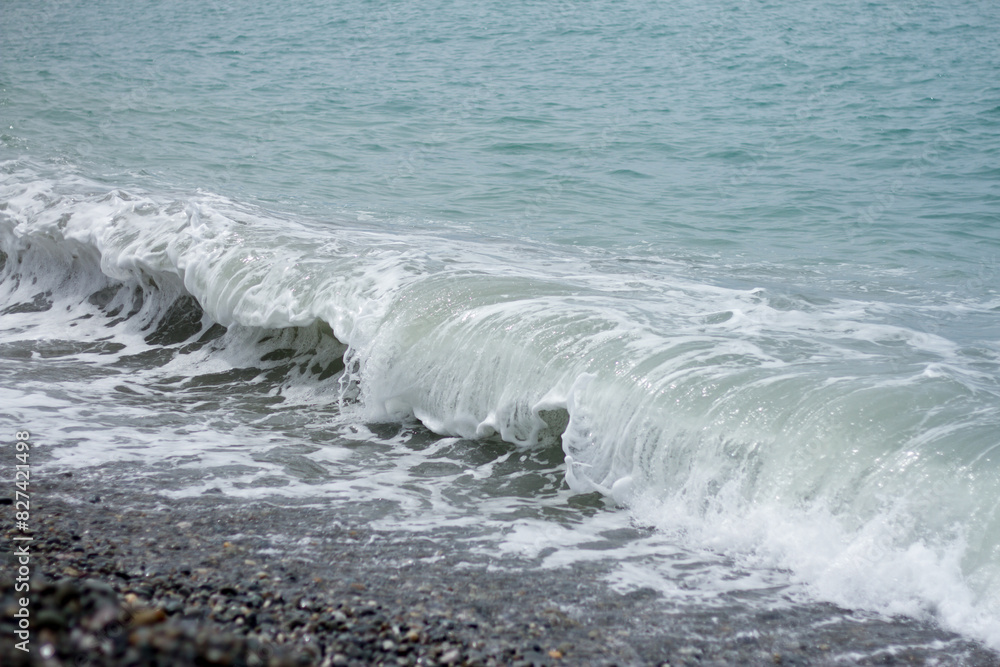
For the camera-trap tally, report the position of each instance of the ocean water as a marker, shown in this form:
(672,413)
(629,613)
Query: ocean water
(535,272)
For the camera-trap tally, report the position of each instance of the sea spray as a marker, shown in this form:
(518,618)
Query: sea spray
(825,438)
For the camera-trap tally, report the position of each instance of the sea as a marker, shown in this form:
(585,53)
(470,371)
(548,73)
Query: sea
(532,275)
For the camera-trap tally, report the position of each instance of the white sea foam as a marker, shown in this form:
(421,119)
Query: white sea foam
(837,441)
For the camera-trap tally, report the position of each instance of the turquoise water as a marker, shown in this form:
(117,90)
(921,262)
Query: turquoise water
(736,265)
(838,139)
(775,130)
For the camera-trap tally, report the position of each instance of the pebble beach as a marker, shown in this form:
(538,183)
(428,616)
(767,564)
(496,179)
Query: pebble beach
(124,577)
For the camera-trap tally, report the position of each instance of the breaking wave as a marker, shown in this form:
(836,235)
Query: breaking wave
(823,436)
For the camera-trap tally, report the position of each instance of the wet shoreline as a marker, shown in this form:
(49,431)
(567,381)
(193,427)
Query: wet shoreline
(122,576)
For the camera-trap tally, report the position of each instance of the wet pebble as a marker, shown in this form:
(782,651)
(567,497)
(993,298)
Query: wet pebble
(193,586)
